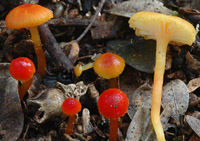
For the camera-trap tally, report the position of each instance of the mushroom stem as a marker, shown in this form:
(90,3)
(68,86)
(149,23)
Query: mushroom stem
(80,68)
(161,49)
(113,129)
(41,60)
(69,129)
(24,88)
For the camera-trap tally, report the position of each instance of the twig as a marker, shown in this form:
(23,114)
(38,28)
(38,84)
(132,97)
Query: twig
(53,48)
(92,20)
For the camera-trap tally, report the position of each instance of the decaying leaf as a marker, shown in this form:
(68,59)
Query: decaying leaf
(50,101)
(193,84)
(139,125)
(192,63)
(11,117)
(176,93)
(128,8)
(141,98)
(73,90)
(139,53)
(194,124)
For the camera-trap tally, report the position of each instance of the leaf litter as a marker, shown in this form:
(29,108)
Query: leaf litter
(110,30)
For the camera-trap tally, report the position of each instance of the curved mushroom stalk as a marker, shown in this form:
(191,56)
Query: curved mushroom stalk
(161,50)
(164,29)
(38,50)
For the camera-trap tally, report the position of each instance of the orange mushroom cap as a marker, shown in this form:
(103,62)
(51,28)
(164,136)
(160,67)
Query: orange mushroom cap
(113,103)
(27,15)
(71,106)
(109,65)
(22,69)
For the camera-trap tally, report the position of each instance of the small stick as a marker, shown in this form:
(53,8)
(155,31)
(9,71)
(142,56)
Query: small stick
(53,48)
(92,21)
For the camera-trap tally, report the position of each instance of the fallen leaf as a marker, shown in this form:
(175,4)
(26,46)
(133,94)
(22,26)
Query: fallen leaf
(139,125)
(11,117)
(139,53)
(194,124)
(128,8)
(193,84)
(176,93)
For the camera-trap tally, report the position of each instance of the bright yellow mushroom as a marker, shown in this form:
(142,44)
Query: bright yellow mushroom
(164,29)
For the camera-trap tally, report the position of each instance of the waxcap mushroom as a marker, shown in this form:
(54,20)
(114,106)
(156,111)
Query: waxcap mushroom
(31,16)
(150,25)
(27,15)
(164,29)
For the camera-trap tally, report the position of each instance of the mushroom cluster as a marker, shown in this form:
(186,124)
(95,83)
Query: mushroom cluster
(164,29)
(30,16)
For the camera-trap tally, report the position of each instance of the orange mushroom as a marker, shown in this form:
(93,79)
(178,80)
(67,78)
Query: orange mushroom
(164,29)
(113,103)
(108,65)
(71,107)
(22,69)
(30,16)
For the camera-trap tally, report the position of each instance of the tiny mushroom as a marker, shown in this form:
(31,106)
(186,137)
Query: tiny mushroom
(30,16)
(164,29)
(108,65)
(71,107)
(113,103)
(22,69)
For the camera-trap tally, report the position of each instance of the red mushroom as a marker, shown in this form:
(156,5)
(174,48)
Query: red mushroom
(113,103)
(22,69)
(30,16)
(71,107)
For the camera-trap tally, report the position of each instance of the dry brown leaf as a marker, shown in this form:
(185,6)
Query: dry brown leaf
(193,84)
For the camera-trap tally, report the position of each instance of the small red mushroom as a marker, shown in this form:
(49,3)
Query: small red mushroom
(113,103)
(71,107)
(22,69)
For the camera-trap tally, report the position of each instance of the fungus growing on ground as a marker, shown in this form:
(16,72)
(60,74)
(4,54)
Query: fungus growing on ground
(71,107)
(107,66)
(113,103)
(22,69)
(164,29)
(30,16)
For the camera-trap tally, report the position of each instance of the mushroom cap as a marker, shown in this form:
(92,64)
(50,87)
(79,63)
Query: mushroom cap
(153,25)
(113,103)
(27,15)
(22,69)
(71,106)
(109,65)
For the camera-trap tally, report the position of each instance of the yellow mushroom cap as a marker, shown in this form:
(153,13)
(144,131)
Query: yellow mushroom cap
(27,15)
(153,25)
